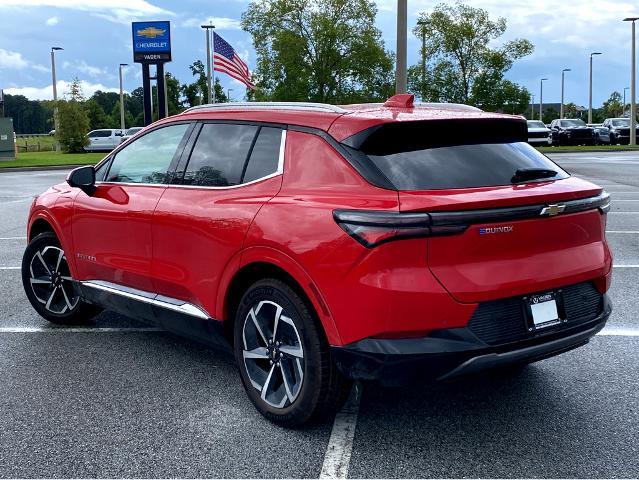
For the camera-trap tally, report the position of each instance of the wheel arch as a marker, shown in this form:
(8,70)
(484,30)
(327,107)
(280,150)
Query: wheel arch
(258,263)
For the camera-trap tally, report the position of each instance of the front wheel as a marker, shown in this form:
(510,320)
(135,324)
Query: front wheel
(47,281)
(283,357)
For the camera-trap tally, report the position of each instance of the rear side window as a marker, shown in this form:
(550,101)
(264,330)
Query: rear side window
(265,155)
(446,155)
(226,155)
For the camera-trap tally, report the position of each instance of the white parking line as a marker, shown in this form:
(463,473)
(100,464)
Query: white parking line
(78,329)
(13,238)
(340,446)
(619,332)
(623,213)
(623,231)
(625,266)
(9,268)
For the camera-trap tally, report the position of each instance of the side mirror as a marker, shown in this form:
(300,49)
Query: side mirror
(83,178)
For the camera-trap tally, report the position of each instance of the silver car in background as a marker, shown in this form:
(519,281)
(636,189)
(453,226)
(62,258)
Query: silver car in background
(129,133)
(538,133)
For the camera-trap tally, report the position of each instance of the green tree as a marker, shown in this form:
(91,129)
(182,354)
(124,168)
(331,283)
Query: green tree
(73,120)
(318,50)
(97,117)
(570,110)
(463,63)
(197,90)
(613,107)
(29,116)
(549,115)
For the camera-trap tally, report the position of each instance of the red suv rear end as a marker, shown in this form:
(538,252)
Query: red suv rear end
(328,244)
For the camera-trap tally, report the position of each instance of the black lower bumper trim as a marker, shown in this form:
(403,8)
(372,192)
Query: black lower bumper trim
(447,354)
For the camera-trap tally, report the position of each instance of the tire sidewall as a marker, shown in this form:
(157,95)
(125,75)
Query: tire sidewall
(298,311)
(38,243)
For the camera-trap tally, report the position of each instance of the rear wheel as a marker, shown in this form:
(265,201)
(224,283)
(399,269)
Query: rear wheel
(283,357)
(47,281)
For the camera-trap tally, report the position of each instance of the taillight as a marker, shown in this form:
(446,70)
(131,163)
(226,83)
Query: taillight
(372,228)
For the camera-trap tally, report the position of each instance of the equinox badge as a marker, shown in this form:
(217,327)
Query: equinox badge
(552,210)
(504,229)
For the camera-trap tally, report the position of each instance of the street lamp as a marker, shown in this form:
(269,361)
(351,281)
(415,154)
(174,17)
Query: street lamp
(541,98)
(590,90)
(400,64)
(633,106)
(423,24)
(532,106)
(561,113)
(122,126)
(209,83)
(55,88)
(624,99)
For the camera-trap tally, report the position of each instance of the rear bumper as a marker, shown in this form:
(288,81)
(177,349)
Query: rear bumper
(447,354)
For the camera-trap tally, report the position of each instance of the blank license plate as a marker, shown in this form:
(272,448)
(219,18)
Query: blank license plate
(543,309)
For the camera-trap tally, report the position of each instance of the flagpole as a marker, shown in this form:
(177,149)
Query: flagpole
(208,61)
(213,68)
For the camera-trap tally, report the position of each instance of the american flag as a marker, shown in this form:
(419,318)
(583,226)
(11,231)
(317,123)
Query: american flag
(226,60)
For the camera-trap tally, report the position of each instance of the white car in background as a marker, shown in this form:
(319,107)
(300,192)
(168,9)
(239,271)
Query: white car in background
(129,133)
(538,133)
(105,139)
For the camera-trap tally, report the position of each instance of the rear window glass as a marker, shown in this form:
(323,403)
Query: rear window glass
(265,155)
(445,155)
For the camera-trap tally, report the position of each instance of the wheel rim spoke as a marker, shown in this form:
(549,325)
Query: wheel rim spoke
(48,304)
(39,256)
(273,354)
(259,353)
(57,265)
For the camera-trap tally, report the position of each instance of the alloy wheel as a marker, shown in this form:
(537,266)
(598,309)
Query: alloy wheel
(273,354)
(51,280)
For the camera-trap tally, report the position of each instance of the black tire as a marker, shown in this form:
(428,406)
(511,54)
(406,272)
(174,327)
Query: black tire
(322,389)
(40,265)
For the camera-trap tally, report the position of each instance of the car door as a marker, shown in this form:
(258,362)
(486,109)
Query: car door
(202,219)
(112,227)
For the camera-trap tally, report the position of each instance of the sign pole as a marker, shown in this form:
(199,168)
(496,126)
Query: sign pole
(146,87)
(159,75)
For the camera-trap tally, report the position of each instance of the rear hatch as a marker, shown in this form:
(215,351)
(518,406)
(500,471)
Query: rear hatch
(505,219)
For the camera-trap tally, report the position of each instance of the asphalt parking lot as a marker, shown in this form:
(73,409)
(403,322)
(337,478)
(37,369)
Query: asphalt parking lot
(122,400)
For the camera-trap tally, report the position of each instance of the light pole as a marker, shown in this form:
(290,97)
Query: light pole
(402,27)
(55,88)
(532,106)
(590,89)
(228,94)
(561,113)
(633,106)
(541,99)
(624,99)
(423,23)
(209,83)
(122,126)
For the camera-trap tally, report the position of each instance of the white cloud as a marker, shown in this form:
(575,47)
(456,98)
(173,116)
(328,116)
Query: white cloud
(46,93)
(221,23)
(120,11)
(12,60)
(52,21)
(15,61)
(85,68)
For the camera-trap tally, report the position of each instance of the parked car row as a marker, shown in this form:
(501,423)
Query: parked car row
(574,131)
(106,139)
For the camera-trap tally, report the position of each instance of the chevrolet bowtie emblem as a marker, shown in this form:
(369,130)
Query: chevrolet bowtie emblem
(552,210)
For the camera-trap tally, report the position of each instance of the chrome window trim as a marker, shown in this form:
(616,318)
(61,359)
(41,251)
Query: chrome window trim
(167,303)
(279,171)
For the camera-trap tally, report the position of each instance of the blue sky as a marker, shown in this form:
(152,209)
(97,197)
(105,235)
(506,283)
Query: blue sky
(96,36)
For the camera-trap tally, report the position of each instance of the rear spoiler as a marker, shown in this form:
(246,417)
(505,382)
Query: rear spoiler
(396,137)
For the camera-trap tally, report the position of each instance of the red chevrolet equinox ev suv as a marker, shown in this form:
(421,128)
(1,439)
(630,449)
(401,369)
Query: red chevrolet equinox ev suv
(393,242)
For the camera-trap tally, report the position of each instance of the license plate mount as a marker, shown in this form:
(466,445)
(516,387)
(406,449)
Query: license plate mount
(543,310)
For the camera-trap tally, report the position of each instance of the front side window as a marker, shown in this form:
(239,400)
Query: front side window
(147,158)
(100,134)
